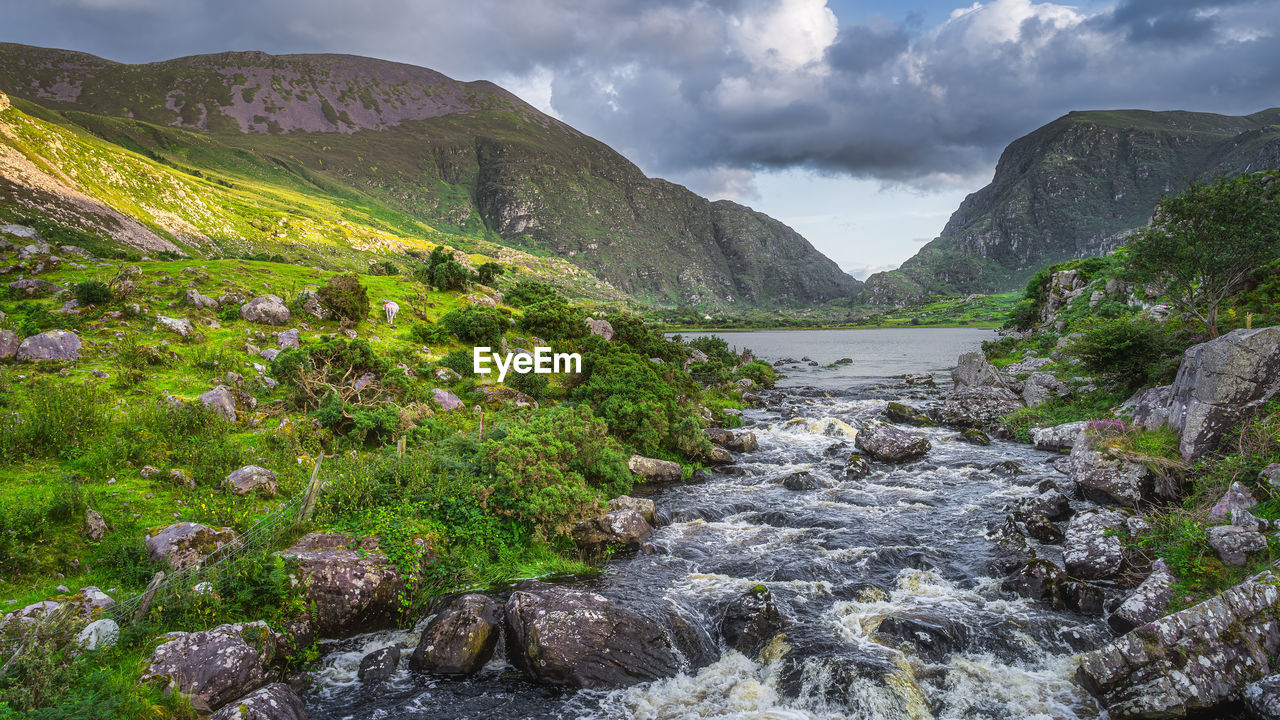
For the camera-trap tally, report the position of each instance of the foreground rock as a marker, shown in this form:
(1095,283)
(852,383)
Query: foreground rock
(1104,476)
(644,506)
(889,444)
(903,414)
(445,399)
(972,370)
(1149,602)
(214,667)
(276,701)
(617,529)
(460,639)
(1092,549)
(571,638)
(654,470)
(51,346)
(978,406)
(379,664)
(186,543)
(9,344)
(351,586)
(266,309)
(221,401)
(1263,698)
(1219,382)
(1190,660)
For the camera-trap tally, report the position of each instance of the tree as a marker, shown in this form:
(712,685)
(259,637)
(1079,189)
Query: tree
(345,297)
(1205,245)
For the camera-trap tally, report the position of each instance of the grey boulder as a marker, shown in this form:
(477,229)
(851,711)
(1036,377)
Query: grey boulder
(1092,549)
(276,701)
(221,401)
(1148,602)
(644,506)
(266,309)
(973,370)
(654,470)
(179,326)
(1104,476)
(981,406)
(460,639)
(889,444)
(52,345)
(1059,437)
(9,344)
(1262,698)
(1235,543)
(215,667)
(622,529)
(186,543)
(351,585)
(379,664)
(252,477)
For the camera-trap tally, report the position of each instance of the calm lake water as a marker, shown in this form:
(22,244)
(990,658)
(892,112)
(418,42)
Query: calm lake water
(876,353)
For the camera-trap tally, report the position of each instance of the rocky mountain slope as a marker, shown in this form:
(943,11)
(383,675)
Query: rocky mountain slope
(1072,189)
(407,147)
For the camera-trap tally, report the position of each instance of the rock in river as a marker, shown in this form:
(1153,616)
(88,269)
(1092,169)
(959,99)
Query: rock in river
(459,639)
(1092,549)
(888,443)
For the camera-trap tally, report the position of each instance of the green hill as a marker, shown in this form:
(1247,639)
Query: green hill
(375,147)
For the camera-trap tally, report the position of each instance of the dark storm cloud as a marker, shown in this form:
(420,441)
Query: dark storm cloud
(710,89)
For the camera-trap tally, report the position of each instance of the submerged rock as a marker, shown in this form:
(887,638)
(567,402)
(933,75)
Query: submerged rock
(1190,660)
(857,467)
(798,480)
(572,638)
(750,621)
(897,412)
(889,444)
(459,639)
(379,664)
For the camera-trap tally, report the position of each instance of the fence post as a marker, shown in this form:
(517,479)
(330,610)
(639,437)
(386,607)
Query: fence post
(313,493)
(148,596)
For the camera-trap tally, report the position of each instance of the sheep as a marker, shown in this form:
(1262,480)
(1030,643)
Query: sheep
(390,308)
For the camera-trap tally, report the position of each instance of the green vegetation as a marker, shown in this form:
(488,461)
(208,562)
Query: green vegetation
(345,298)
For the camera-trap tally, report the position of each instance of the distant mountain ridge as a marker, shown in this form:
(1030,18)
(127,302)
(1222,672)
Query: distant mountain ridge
(467,158)
(1074,188)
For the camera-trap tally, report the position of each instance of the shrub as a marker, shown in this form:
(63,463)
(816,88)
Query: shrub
(488,272)
(554,319)
(761,372)
(443,271)
(345,297)
(429,333)
(640,402)
(460,361)
(91,292)
(716,349)
(384,267)
(531,384)
(555,468)
(475,325)
(1129,353)
(528,292)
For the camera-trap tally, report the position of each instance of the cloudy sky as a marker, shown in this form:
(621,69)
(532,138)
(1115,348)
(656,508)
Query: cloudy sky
(862,123)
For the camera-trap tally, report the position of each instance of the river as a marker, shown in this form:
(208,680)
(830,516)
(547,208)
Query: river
(893,612)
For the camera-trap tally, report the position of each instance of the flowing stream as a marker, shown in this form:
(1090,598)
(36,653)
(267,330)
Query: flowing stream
(893,612)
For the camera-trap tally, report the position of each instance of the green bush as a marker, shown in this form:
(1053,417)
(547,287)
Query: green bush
(442,271)
(429,333)
(345,297)
(528,292)
(531,384)
(1127,352)
(476,325)
(554,319)
(384,267)
(641,402)
(460,361)
(91,292)
(555,468)
(488,272)
(761,372)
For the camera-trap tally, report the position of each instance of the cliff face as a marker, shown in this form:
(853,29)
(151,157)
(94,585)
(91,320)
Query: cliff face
(1074,188)
(464,158)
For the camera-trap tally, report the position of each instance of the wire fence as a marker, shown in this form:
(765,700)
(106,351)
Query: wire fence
(264,533)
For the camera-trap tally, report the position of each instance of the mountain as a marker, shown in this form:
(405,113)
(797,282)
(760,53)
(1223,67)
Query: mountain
(408,148)
(1074,188)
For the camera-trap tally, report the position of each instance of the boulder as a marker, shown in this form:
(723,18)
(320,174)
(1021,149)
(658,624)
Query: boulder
(1050,504)
(982,406)
(379,664)
(1270,475)
(28,288)
(1104,476)
(889,444)
(1219,382)
(799,480)
(186,543)
(750,621)
(625,529)
(719,456)
(251,477)
(1042,387)
(95,528)
(1092,549)
(1149,408)
(9,344)
(215,667)
(276,701)
(446,400)
(1042,528)
(460,639)
(221,401)
(974,436)
(53,345)
(903,414)
(269,354)
(447,375)
(1059,437)
(352,586)
(1262,698)
(1237,497)
(654,470)
(599,327)
(266,309)
(972,370)
(644,506)
(99,635)
(287,339)
(507,396)
(1148,602)
(1191,660)
(311,305)
(180,326)
(1234,543)
(1037,579)
(198,301)
(572,638)
(736,441)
